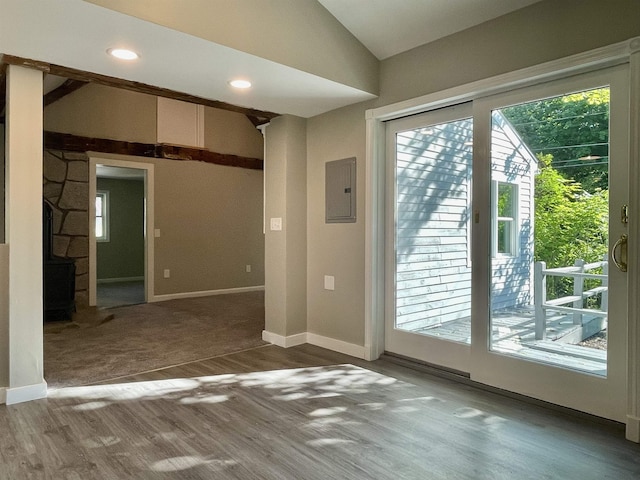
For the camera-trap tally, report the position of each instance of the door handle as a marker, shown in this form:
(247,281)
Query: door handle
(622,243)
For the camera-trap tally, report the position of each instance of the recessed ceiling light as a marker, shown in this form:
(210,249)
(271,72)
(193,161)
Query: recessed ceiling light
(123,53)
(240,83)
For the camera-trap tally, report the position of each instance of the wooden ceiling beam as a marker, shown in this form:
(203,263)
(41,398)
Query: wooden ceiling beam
(69,86)
(75,143)
(79,75)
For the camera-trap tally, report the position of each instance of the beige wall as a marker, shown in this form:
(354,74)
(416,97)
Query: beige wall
(298,33)
(230,132)
(335,249)
(210,216)
(286,250)
(539,33)
(4,318)
(104,112)
(542,32)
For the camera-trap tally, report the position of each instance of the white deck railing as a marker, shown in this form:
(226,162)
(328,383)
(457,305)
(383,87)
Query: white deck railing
(579,271)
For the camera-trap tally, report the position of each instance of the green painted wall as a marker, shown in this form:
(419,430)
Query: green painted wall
(123,255)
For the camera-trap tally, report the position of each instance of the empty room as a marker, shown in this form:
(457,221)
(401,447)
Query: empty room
(430,206)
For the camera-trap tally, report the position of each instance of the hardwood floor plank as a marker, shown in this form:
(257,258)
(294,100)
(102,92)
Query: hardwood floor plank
(301,413)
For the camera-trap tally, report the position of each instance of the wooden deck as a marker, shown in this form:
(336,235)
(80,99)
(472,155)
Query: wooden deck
(513,333)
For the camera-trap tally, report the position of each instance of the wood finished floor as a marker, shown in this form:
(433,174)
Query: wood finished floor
(301,413)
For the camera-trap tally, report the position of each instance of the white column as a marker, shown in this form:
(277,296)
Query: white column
(24,233)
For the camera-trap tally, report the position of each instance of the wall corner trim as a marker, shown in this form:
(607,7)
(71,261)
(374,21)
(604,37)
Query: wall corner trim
(339,346)
(282,341)
(633,429)
(26,393)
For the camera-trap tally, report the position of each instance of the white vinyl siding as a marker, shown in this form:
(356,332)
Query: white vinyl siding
(433,277)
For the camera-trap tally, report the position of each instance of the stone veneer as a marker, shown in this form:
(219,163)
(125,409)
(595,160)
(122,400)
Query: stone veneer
(66,188)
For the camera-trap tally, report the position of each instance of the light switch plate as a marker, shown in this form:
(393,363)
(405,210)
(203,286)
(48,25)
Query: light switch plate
(276,224)
(156,232)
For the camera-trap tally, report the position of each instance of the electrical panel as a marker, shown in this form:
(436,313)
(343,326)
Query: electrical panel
(340,191)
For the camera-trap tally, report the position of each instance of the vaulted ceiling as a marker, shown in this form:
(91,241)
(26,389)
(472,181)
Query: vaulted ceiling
(305,57)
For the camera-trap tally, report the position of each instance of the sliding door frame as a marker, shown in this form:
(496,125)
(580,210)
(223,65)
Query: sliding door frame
(617,54)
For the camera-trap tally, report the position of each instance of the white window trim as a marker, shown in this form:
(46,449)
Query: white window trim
(106,224)
(515,227)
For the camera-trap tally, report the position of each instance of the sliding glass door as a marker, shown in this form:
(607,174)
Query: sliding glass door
(517,275)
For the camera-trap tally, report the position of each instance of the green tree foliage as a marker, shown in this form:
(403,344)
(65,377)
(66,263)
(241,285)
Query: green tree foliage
(570,223)
(574,129)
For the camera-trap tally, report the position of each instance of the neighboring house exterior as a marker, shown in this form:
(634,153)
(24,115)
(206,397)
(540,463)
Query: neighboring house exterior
(433,222)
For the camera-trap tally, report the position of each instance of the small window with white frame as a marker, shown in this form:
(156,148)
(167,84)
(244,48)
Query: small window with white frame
(102,216)
(505,214)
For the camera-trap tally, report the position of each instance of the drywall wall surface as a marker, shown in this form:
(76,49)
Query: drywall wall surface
(275,242)
(2,185)
(104,112)
(210,219)
(296,221)
(4,315)
(286,249)
(542,32)
(24,228)
(335,249)
(107,112)
(122,256)
(298,33)
(231,132)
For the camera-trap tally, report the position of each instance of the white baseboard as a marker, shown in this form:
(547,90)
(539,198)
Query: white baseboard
(350,349)
(282,341)
(26,393)
(633,429)
(205,293)
(119,280)
(3,395)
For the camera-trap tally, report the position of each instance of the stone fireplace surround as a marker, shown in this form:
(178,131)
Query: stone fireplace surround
(65,186)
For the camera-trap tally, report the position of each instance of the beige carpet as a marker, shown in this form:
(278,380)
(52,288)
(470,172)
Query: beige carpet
(139,338)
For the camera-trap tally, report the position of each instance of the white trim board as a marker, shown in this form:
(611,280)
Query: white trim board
(26,393)
(205,293)
(339,346)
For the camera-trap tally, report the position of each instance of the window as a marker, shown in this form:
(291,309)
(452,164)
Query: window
(506,208)
(102,216)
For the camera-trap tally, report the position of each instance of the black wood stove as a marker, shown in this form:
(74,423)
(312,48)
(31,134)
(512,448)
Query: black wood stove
(59,275)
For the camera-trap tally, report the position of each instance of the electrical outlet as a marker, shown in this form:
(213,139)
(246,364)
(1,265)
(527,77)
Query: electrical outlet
(276,224)
(247,268)
(329,282)
(167,273)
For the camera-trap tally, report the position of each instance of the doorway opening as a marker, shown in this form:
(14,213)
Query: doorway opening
(120,248)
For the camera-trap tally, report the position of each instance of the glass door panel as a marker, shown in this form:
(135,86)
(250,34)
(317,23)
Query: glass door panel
(557,171)
(431,291)
(550,171)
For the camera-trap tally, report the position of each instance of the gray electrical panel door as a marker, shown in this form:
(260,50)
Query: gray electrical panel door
(340,191)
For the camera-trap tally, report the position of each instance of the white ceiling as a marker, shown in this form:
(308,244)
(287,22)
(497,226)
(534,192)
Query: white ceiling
(389,27)
(76,34)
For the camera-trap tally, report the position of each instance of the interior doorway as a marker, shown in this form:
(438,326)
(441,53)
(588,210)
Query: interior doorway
(120,249)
